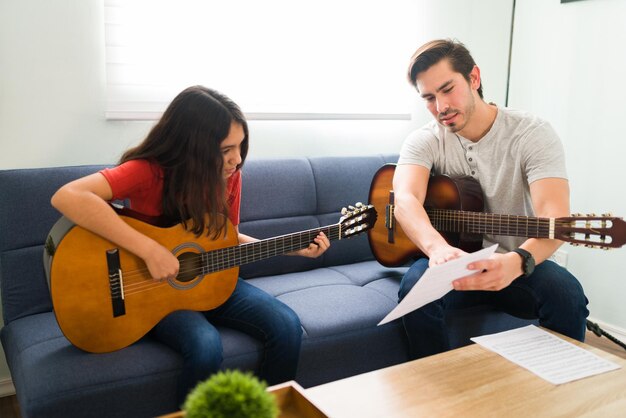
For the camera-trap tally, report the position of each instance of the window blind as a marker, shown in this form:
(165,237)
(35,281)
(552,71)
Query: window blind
(277,59)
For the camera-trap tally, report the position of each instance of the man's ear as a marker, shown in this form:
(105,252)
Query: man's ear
(475,77)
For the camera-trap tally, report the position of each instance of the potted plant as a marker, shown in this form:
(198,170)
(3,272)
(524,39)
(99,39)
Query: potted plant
(231,394)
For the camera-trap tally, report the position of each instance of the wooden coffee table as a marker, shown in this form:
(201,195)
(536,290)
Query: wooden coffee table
(471,382)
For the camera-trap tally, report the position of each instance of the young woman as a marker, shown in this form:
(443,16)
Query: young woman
(188,167)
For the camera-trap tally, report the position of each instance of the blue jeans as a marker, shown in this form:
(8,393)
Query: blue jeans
(250,310)
(551,294)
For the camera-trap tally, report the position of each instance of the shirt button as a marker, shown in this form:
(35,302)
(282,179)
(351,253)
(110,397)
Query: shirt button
(469,148)
(469,159)
(473,172)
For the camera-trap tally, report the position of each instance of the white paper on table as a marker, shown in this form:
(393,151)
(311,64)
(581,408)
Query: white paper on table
(436,282)
(546,355)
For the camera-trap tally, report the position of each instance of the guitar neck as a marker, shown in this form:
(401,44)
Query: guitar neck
(238,255)
(489,223)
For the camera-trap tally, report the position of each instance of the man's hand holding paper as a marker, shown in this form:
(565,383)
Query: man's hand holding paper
(437,281)
(490,273)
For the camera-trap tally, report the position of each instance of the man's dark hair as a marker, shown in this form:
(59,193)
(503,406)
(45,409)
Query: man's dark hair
(432,52)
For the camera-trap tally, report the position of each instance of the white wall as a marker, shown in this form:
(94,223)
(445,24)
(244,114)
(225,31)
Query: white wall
(52,88)
(568,67)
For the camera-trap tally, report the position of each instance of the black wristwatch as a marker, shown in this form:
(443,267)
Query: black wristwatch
(528,261)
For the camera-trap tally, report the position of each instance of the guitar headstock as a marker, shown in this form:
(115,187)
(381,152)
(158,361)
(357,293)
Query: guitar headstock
(357,219)
(592,231)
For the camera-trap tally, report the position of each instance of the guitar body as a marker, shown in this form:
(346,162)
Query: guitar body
(92,313)
(388,242)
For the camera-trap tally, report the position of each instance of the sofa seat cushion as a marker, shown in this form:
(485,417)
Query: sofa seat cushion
(340,307)
(57,379)
(338,299)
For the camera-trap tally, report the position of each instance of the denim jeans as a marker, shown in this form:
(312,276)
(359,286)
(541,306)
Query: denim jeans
(250,310)
(550,294)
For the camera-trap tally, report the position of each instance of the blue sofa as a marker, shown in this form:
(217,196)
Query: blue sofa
(340,297)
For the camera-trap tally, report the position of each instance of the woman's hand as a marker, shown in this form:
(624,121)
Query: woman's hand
(320,244)
(161,263)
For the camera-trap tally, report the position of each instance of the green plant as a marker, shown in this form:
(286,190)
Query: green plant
(231,394)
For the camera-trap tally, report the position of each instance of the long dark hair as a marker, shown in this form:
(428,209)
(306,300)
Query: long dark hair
(186,143)
(432,52)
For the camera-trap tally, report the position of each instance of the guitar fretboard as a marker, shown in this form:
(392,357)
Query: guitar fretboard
(229,257)
(489,223)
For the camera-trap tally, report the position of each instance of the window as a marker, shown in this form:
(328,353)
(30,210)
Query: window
(277,59)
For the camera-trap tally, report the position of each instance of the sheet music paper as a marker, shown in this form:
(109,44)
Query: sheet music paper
(546,355)
(436,282)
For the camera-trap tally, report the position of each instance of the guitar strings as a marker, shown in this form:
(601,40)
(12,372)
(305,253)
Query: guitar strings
(478,222)
(463,215)
(139,281)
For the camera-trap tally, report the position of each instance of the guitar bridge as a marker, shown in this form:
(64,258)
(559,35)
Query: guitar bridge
(116,282)
(389,224)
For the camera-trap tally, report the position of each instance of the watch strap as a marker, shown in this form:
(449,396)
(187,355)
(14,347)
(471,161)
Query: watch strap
(528,261)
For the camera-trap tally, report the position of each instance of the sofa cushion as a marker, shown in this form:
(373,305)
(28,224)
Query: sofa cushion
(26,217)
(278,188)
(289,195)
(344,181)
(56,379)
(23,297)
(335,300)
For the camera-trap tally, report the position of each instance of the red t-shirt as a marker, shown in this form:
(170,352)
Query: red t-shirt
(139,183)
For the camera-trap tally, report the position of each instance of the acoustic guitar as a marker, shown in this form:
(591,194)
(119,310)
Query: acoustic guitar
(104,298)
(455,205)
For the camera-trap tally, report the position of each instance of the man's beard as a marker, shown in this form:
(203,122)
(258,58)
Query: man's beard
(466,115)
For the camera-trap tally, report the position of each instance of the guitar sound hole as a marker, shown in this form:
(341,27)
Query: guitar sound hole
(190,266)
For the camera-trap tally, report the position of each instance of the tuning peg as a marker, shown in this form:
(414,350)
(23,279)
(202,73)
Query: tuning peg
(607,215)
(591,215)
(577,215)
(344,211)
(359,204)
